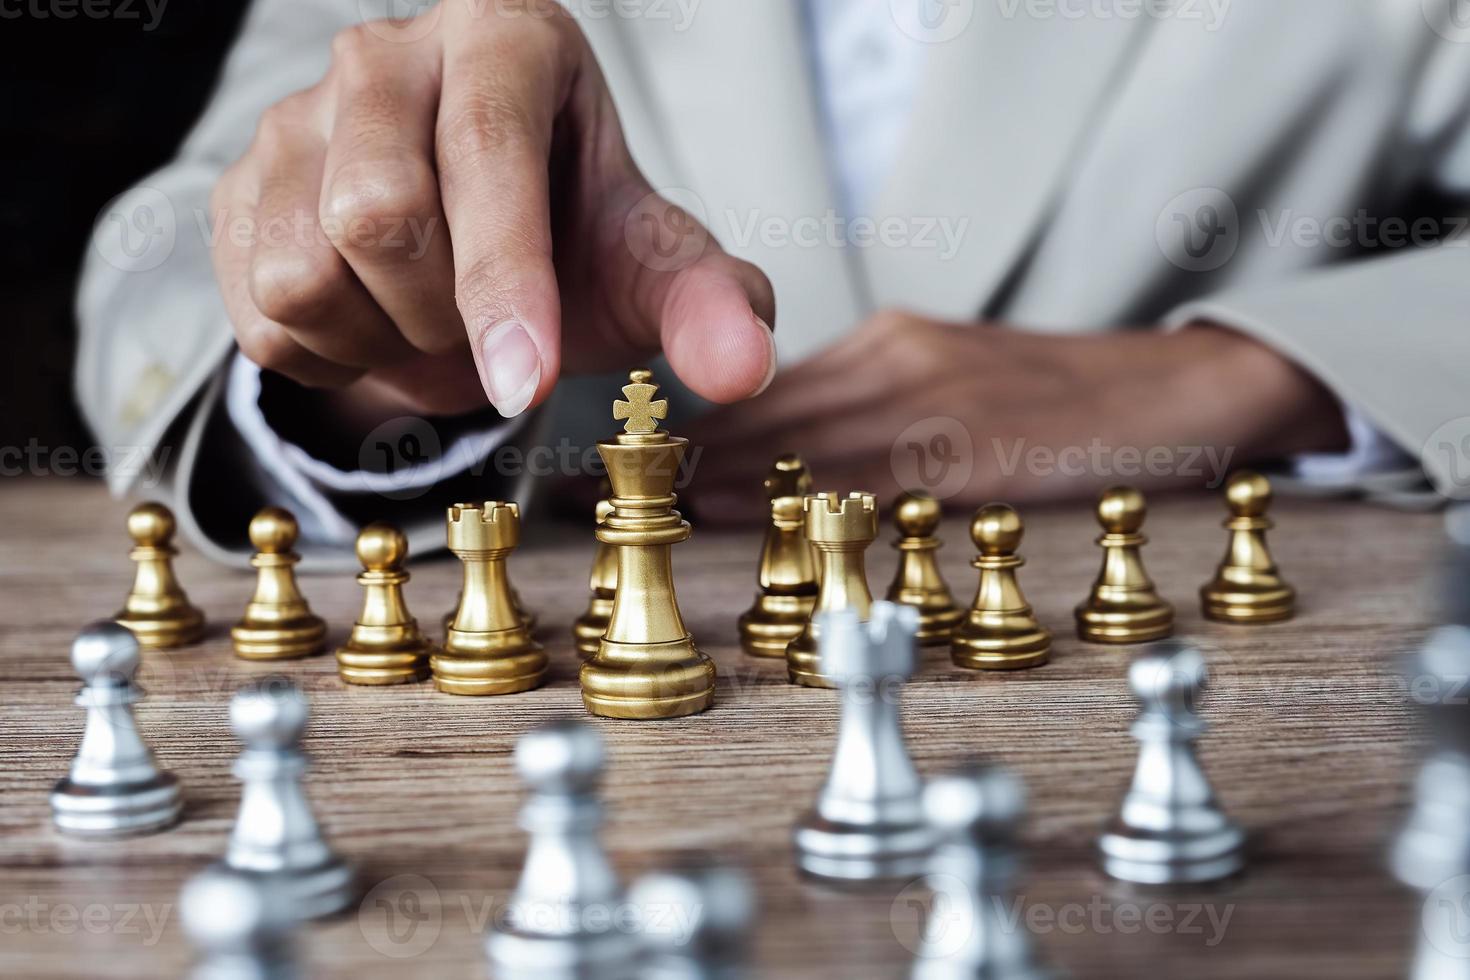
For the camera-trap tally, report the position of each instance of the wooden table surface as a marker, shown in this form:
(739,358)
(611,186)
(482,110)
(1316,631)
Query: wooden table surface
(1312,748)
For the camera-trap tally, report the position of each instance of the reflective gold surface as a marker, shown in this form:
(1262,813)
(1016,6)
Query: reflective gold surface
(278,624)
(487,648)
(646,665)
(917,582)
(1247,587)
(603,586)
(840,529)
(787,575)
(156,608)
(385,646)
(1000,631)
(1123,606)
(527,616)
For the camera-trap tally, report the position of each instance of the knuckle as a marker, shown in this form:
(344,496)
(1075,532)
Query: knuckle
(369,202)
(266,344)
(489,119)
(354,46)
(288,286)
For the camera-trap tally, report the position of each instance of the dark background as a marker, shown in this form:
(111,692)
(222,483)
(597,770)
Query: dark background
(93,100)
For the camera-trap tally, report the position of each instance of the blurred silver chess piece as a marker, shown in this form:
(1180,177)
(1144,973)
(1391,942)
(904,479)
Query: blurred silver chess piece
(562,920)
(868,823)
(115,789)
(275,834)
(696,919)
(240,928)
(975,813)
(1431,853)
(1170,829)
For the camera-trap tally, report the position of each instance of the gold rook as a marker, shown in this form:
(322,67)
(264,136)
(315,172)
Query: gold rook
(840,529)
(488,648)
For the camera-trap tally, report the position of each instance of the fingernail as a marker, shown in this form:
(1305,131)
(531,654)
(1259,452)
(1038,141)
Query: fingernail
(771,370)
(512,368)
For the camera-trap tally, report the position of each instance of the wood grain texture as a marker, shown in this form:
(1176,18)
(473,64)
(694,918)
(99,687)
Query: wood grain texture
(1312,747)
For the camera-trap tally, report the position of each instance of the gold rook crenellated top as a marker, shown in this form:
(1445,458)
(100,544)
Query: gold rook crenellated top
(840,529)
(646,664)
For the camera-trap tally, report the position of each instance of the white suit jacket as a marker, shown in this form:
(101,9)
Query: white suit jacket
(1070,165)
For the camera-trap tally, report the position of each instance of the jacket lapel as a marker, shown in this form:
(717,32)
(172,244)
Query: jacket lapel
(1002,111)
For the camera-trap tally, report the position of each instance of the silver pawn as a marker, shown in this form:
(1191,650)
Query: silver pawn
(562,920)
(696,918)
(1431,854)
(1170,829)
(276,835)
(115,789)
(238,925)
(868,824)
(975,813)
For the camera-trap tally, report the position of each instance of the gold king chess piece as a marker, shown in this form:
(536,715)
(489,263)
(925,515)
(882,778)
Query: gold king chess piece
(1247,587)
(590,626)
(1000,631)
(1123,606)
(840,529)
(278,624)
(385,646)
(918,582)
(156,610)
(787,576)
(488,648)
(646,664)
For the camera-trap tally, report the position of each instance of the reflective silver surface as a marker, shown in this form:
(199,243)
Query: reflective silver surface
(695,920)
(563,919)
(867,824)
(239,927)
(969,933)
(276,835)
(114,789)
(1170,829)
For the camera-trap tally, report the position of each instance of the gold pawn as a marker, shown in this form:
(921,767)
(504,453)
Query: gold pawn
(840,528)
(1000,632)
(646,665)
(488,649)
(918,582)
(603,584)
(157,610)
(1123,606)
(787,575)
(385,646)
(1247,587)
(278,624)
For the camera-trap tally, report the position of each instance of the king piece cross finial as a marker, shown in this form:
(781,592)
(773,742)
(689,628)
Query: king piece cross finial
(640,410)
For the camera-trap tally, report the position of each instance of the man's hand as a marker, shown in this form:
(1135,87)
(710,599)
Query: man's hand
(1022,416)
(452,213)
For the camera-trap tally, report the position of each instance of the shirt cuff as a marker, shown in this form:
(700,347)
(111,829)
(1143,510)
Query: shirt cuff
(305,484)
(1369,452)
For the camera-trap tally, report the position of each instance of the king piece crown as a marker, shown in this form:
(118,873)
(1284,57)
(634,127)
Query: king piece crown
(850,650)
(641,411)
